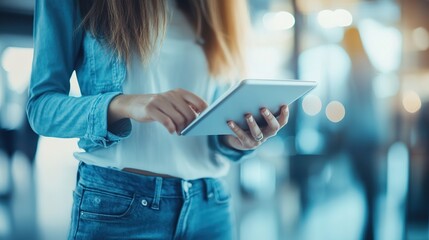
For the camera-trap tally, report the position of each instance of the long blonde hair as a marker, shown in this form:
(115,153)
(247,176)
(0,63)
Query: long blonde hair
(138,24)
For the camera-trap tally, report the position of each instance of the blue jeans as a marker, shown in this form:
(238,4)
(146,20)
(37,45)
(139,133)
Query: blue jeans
(111,204)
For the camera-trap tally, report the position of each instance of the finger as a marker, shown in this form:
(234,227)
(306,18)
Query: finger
(184,108)
(246,140)
(198,103)
(284,115)
(168,109)
(254,128)
(164,120)
(273,125)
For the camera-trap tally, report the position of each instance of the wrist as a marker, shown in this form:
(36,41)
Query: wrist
(117,109)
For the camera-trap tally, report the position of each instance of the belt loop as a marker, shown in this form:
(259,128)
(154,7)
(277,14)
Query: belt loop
(157,194)
(209,188)
(185,189)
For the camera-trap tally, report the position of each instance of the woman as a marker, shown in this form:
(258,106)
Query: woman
(145,70)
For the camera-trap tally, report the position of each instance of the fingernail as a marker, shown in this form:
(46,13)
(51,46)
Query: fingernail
(266,112)
(251,119)
(285,109)
(231,124)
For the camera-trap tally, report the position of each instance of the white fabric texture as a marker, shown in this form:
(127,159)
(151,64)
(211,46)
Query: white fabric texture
(179,63)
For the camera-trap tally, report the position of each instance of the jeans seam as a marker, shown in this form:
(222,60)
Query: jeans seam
(102,188)
(107,217)
(78,214)
(182,222)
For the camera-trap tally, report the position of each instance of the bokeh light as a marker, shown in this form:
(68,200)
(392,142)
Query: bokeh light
(277,21)
(326,19)
(309,141)
(411,101)
(337,18)
(312,104)
(17,63)
(335,111)
(420,38)
(343,17)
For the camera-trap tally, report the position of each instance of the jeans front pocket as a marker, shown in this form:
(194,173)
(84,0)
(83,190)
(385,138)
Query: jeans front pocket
(100,205)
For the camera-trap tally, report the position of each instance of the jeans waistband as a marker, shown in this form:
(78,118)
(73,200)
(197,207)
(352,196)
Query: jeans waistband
(90,175)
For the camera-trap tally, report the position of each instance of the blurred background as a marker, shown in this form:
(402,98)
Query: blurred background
(351,164)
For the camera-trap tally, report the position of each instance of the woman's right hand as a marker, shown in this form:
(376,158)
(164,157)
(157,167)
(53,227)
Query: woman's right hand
(174,109)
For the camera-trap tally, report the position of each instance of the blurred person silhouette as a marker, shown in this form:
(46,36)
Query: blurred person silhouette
(16,134)
(6,141)
(7,146)
(361,133)
(145,70)
(17,142)
(418,193)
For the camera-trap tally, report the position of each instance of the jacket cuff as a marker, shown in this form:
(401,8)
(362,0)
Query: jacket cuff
(98,132)
(234,155)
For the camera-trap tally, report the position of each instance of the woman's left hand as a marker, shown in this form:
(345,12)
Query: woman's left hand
(255,136)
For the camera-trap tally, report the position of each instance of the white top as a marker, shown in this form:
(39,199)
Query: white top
(180,63)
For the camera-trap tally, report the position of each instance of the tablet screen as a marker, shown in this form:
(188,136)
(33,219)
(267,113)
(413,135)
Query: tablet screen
(248,96)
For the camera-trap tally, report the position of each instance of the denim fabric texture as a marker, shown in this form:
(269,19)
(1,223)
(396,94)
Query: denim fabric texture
(110,204)
(61,46)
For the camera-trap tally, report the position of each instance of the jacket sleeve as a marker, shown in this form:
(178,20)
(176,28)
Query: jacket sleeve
(216,144)
(50,109)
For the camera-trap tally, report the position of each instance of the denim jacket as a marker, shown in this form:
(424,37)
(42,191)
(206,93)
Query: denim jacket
(61,47)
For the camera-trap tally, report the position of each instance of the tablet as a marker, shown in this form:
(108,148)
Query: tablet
(248,96)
